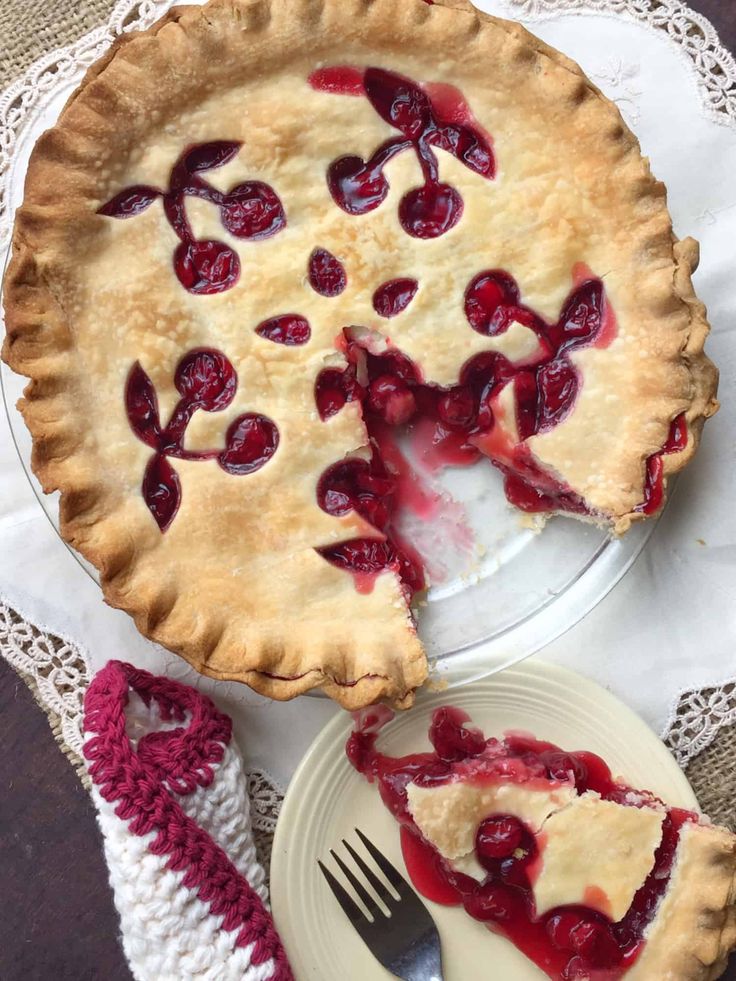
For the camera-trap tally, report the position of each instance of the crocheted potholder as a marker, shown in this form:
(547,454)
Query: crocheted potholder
(172,805)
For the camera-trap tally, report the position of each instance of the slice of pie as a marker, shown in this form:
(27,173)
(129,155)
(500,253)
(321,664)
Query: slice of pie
(265,236)
(587,877)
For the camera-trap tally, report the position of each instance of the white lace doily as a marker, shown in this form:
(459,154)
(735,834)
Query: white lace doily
(39,567)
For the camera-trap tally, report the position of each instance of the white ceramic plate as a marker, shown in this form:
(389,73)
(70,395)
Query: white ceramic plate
(327,799)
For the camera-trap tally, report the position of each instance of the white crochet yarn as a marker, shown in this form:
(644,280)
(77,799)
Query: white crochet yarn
(168,932)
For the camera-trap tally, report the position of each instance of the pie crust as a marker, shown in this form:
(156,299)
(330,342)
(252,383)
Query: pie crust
(244,595)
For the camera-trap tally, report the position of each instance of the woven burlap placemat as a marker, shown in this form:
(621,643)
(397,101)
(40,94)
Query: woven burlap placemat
(31,28)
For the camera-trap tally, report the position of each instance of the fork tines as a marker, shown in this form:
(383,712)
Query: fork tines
(395,925)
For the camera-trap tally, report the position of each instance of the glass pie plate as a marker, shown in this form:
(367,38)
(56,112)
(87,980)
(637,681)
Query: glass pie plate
(501,588)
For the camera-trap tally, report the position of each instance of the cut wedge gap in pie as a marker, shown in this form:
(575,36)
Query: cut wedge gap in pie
(264,238)
(589,878)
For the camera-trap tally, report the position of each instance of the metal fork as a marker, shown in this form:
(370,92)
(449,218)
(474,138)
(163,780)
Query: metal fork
(405,940)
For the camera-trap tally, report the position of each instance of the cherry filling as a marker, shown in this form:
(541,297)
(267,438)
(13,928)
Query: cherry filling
(205,380)
(251,210)
(458,425)
(366,487)
(566,943)
(427,117)
(654,481)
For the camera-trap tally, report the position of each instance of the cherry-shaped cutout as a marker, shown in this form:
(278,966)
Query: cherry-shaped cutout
(161,490)
(141,406)
(581,319)
(250,442)
(333,388)
(206,377)
(430,211)
(290,329)
(398,101)
(206,267)
(252,210)
(371,556)
(394,296)
(354,186)
(487,293)
(326,273)
(130,202)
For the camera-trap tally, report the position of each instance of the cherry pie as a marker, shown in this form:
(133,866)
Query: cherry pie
(265,235)
(589,878)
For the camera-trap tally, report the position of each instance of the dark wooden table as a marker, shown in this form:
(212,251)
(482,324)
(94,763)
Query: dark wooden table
(57,921)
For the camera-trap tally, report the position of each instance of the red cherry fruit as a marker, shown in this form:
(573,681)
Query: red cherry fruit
(394,363)
(326,273)
(290,329)
(498,836)
(564,766)
(594,942)
(457,408)
(252,210)
(251,441)
(393,297)
(206,267)
(559,928)
(430,211)
(486,296)
(355,187)
(206,377)
(392,399)
(452,739)
(494,902)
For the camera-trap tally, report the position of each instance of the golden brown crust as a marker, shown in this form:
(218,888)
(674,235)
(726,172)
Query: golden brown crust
(694,930)
(373,652)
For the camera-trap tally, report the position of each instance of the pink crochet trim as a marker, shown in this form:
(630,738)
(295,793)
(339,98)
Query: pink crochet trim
(178,761)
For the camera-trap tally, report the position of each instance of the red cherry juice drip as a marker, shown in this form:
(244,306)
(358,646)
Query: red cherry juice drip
(251,210)
(206,380)
(359,186)
(326,273)
(654,482)
(565,943)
